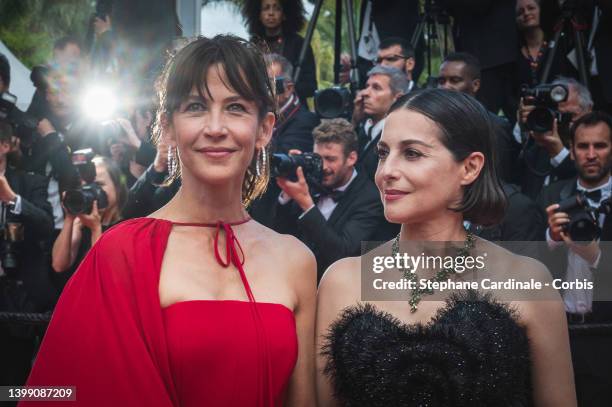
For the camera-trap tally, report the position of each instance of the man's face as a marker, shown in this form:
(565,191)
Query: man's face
(69,55)
(275,71)
(393,56)
(59,96)
(377,97)
(337,168)
(453,76)
(592,153)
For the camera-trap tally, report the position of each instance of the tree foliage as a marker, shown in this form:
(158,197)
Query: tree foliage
(30,27)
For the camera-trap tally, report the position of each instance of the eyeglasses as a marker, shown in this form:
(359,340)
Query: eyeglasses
(391,58)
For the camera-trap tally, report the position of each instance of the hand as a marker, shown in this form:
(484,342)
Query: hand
(160,164)
(93,220)
(68,216)
(6,192)
(129,135)
(101,25)
(45,128)
(297,190)
(524,110)
(358,112)
(556,222)
(550,140)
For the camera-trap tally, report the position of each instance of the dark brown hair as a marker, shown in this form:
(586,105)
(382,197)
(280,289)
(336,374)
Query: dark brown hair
(244,68)
(465,127)
(293,10)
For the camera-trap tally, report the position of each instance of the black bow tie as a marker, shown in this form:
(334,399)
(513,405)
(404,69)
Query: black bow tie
(335,195)
(594,196)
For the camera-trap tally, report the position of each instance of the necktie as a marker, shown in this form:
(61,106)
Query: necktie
(335,195)
(594,196)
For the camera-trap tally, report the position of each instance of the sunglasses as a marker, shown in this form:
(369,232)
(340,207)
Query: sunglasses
(390,58)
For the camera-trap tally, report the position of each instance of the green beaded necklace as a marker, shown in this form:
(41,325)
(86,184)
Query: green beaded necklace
(417,293)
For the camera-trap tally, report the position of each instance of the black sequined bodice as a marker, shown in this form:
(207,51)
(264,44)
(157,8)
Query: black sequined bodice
(473,353)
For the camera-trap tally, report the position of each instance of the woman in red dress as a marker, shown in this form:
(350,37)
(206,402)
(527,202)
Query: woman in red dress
(196,305)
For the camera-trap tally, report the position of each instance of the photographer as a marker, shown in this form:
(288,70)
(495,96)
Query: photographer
(25,285)
(335,222)
(294,125)
(149,193)
(591,151)
(545,158)
(385,84)
(81,231)
(398,53)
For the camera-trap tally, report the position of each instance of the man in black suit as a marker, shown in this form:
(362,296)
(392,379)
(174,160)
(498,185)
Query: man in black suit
(460,71)
(545,157)
(397,52)
(332,223)
(591,150)
(26,224)
(385,84)
(294,125)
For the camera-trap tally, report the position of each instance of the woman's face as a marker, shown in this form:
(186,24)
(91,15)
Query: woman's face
(417,176)
(527,14)
(106,183)
(217,134)
(271,14)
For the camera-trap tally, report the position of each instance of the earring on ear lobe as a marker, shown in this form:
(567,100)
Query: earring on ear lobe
(260,163)
(172,162)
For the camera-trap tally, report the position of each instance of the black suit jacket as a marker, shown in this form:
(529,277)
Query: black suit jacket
(295,131)
(307,83)
(357,217)
(557,262)
(367,160)
(33,253)
(535,166)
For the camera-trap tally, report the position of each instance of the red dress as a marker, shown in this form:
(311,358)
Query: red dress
(110,338)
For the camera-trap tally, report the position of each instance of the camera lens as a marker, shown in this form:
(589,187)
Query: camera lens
(558,93)
(76,201)
(540,120)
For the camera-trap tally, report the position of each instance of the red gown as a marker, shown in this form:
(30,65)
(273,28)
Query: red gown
(110,338)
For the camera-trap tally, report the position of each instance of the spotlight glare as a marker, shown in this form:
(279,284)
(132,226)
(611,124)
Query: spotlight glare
(99,102)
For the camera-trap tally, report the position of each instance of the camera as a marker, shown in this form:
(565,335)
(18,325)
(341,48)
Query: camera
(11,113)
(285,166)
(333,102)
(11,236)
(584,219)
(546,99)
(80,200)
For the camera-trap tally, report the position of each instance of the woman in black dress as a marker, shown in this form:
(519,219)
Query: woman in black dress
(465,348)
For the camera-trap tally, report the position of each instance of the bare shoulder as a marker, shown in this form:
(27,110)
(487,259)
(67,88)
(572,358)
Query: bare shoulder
(342,281)
(288,253)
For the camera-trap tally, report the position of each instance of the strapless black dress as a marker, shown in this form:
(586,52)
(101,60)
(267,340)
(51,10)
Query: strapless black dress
(473,353)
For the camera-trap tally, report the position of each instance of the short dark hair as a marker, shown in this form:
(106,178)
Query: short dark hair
(118,179)
(293,10)
(407,49)
(5,70)
(337,131)
(472,64)
(61,43)
(465,127)
(589,120)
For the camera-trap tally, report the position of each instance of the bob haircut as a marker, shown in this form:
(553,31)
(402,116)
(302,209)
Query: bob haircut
(241,66)
(293,11)
(465,127)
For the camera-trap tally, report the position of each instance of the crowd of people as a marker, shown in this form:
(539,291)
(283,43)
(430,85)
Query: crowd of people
(153,203)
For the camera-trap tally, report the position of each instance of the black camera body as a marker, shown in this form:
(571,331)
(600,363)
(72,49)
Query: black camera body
(11,113)
(546,99)
(584,219)
(333,102)
(285,166)
(11,239)
(80,200)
